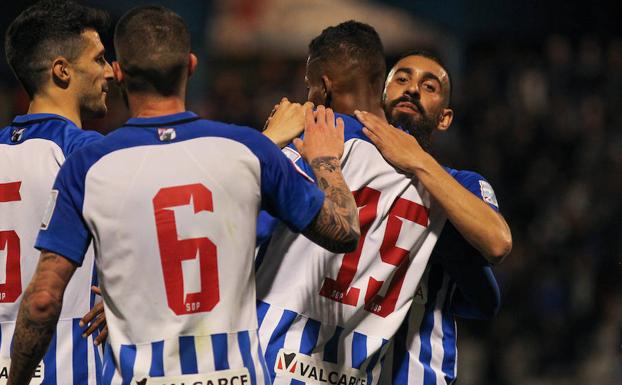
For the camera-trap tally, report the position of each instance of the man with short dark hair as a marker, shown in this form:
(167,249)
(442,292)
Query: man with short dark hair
(171,202)
(54,49)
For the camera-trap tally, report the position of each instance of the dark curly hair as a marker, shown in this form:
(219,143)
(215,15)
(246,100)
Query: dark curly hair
(351,42)
(48,29)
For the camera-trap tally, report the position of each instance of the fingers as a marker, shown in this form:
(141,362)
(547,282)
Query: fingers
(299,145)
(371,121)
(330,118)
(309,115)
(96,290)
(101,338)
(371,135)
(94,326)
(92,314)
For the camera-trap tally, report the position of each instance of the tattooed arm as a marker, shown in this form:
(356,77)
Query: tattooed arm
(38,315)
(336,227)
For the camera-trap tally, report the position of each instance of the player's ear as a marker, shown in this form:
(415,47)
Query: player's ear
(61,72)
(327,85)
(118,73)
(192,64)
(447,115)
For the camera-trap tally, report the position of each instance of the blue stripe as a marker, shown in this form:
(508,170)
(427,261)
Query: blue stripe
(296,382)
(359,349)
(427,324)
(277,339)
(157,359)
(49,363)
(80,355)
(401,361)
(310,335)
(219,347)
(187,355)
(244,342)
(262,309)
(93,283)
(98,363)
(373,361)
(109,368)
(262,361)
(449,342)
(331,352)
(127,356)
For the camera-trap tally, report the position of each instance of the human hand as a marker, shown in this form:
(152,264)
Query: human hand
(323,136)
(399,148)
(286,122)
(97,318)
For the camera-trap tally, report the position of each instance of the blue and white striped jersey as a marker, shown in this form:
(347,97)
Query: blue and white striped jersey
(457,282)
(171,204)
(328,317)
(32,150)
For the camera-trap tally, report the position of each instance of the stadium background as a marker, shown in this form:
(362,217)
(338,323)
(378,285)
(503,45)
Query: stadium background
(538,101)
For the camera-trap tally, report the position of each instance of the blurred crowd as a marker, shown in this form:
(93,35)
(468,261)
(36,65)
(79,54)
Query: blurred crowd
(543,123)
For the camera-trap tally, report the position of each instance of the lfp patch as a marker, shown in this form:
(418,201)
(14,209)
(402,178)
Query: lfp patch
(488,194)
(167,134)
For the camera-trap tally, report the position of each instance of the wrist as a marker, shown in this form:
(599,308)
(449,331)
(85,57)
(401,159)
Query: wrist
(325,163)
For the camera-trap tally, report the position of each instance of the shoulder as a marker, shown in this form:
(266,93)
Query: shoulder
(477,184)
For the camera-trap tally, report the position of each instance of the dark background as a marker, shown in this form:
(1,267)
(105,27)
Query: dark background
(538,95)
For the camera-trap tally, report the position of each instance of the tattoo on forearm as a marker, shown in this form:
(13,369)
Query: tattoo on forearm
(38,315)
(31,340)
(336,227)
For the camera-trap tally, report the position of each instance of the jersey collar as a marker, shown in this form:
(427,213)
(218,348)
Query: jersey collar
(22,120)
(164,120)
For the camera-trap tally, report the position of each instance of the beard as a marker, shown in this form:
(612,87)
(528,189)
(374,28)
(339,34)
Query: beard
(420,126)
(93,107)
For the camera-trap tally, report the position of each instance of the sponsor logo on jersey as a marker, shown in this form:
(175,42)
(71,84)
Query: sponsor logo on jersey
(291,154)
(488,194)
(17,134)
(5,364)
(301,367)
(49,210)
(166,134)
(221,377)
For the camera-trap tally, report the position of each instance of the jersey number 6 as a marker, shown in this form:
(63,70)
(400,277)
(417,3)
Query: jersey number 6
(174,251)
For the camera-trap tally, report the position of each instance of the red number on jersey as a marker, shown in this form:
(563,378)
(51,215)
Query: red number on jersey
(11,289)
(339,290)
(174,251)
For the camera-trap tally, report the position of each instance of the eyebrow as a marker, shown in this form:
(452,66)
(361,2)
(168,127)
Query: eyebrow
(426,75)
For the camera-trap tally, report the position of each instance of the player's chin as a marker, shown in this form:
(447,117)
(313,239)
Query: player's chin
(95,112)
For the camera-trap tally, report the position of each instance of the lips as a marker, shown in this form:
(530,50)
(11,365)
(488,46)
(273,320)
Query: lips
(408,105)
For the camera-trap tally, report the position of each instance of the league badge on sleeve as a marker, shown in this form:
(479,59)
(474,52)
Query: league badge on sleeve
(49,210)
(488,194)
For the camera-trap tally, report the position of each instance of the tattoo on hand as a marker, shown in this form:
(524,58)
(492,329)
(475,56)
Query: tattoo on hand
(326,163)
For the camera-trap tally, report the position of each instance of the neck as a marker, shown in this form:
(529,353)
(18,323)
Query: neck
(148,105)
(45,104)
(347,103)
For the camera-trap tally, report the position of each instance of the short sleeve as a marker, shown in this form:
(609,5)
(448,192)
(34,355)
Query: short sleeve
(63,229)
(287,192)
(479,186)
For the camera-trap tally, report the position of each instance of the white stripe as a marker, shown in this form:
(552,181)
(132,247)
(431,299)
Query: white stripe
(7,335)
(260,362)
(345,349)
(383,352)
(234,354)
(143,361)
(413,344)
(436,337)
(90,354)
(64,352)
(373,345)
(205,354)
(270,322)
(172,361)
(294,333)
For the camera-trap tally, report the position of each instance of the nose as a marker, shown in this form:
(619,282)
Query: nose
(413,90)
(108,74)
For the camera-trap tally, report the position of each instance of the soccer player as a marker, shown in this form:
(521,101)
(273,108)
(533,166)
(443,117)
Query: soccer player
(458,280)
(326,317)
(171,201)
(55,51)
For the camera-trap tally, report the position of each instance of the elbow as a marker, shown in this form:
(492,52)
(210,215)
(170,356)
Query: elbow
(42,307)
(346,244)
(500,249)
